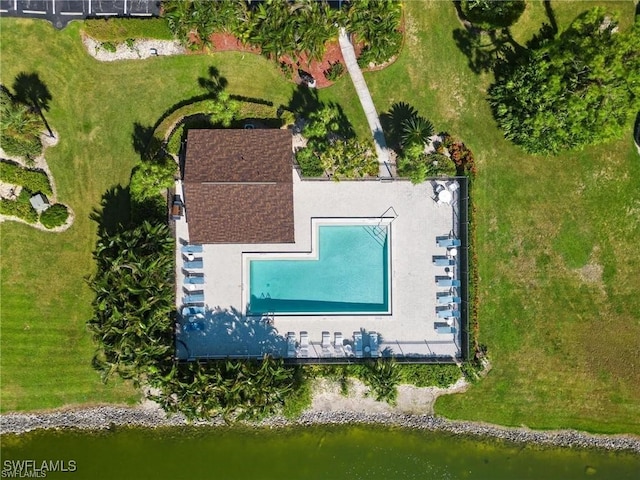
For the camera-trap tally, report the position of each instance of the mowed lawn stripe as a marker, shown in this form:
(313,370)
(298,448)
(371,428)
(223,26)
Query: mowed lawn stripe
(555,243)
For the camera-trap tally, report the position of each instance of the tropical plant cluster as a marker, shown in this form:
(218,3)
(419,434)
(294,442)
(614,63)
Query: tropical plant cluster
(132,322)
(133,327)
(282,28)
(410,133)
(376,24)
(20,127)
(331,147)
(233,389)
(581,88)
(491,14)
(458,153)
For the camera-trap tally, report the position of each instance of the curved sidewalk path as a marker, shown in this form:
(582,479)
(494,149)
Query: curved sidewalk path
(349,55)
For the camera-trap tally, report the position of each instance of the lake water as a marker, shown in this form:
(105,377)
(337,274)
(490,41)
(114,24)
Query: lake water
(320,452)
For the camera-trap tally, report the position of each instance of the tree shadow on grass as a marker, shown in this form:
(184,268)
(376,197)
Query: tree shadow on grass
(303,101)
(31,90)
(214,83)
(393,122)
(114,214)
(144,142)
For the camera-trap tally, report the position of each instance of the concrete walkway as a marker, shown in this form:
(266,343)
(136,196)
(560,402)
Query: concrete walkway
(366,101)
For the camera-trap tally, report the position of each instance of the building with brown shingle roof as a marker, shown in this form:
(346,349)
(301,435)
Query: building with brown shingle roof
(238,186)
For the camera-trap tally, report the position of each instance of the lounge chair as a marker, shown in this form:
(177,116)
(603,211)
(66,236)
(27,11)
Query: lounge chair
(193,264)
(357,341)
(291,344)
(338,343)
(442,330)
(193,311)
(326,343)
(447,299)
(443,261)
(373,344)
(191,249)
(304,344)
(193,298)
(194,280)
(448,313)
(447,282)
(448,242)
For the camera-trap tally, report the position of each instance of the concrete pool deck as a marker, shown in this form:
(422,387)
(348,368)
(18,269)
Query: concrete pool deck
(409,331)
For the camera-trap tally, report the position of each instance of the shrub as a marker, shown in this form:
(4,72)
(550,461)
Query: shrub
(491,15)
(334,72)
(438,375)
(130,43)
(33,180)
(54,216)
(175,140)
(109,46)
(383,377)
(20,127)
(121,29)
(149,178)
(20,208)
(309,162)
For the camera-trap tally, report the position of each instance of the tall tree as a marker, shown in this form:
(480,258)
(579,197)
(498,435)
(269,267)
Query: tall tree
(579,89)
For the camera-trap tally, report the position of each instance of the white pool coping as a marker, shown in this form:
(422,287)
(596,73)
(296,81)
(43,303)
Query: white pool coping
(312,253)
(410,329)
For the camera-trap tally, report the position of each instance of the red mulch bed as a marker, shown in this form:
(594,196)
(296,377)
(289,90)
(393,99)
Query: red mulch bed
(223,42)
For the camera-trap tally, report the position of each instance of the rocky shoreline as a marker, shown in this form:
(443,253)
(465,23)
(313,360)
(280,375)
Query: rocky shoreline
(100,418)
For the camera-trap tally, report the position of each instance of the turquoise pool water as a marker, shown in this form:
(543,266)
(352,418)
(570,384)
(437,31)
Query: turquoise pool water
(349,276)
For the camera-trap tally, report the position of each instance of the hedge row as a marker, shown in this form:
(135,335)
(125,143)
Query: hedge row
(33,180)
(122,29)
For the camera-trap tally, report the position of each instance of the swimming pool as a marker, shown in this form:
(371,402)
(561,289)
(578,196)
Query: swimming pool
(347,272)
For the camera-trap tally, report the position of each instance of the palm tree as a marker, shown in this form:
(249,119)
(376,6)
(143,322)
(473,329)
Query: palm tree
(416,131)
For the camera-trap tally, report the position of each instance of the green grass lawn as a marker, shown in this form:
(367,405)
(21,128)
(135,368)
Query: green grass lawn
(46,349)
(559,283)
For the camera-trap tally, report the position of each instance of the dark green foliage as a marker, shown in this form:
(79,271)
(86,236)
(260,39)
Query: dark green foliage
(376,23)
(109,46)
(296,29)
(309,162)
(579,89)
(235,389)
(330,135)
(33,180)
(20,127)
(282,28)
(150,178)
(492,14)
(430,375)
(54,216)
(416,130)
(125,29)
(348,158)
(21,207)
(335,71)
(132,322)
(383,377)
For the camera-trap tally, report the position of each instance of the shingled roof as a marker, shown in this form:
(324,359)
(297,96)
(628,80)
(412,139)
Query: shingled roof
(238,186)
